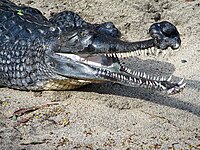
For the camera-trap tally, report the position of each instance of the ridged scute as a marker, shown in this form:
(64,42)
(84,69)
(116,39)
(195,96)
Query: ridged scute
(25,36)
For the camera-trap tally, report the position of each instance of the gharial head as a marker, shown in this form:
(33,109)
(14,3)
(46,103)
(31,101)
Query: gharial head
(92,52)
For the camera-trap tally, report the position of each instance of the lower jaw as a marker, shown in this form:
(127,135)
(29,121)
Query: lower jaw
(65,84)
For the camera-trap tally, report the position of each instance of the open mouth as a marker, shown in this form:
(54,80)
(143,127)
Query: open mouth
(91,55)
(107,67)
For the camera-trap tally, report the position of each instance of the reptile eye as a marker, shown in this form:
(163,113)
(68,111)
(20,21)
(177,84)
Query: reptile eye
(52,64)
(82,34)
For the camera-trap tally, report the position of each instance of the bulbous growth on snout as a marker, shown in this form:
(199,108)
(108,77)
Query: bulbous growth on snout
(165,35)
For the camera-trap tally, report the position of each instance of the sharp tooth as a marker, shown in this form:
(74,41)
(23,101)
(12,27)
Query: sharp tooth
(144,75)
(108,73)
(132,54)
(124,55)
(162,79)
(140,81)
(181,82)
(154,78)
(134,73)
(170,91)
(138,73)
(157,52)
(158,79)
(113,75)
(149,51)
(169,79)
(164,52)
(148,76)
(150,84)
(119,55)
(151,78)
(126,69)
(137,53)
(129,54)
(163,87)
(156,83)
(120,77)
(123,78)
(182,86)
(152,50)
(145,52)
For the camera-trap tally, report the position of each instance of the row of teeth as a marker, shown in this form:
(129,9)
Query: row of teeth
(145,76)
(144,52)
(149,81)
(138,81)
(154,78)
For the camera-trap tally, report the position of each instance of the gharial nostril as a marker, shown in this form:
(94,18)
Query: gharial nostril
(176,46)
(52,64)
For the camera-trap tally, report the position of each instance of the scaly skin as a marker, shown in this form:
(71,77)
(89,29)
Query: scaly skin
(66,52)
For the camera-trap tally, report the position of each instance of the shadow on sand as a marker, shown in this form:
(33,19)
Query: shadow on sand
(156,68)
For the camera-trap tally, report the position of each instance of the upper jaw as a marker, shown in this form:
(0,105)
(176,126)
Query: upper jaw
(89,41)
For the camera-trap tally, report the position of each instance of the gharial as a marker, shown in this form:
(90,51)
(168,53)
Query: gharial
(66,52)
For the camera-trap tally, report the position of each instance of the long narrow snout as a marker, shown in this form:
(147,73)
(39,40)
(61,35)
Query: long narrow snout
(92,41)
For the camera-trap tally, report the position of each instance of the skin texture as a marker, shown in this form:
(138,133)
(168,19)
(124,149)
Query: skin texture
(111,116)
(67,52)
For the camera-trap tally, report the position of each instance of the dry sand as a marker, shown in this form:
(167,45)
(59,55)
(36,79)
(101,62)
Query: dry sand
(111,116)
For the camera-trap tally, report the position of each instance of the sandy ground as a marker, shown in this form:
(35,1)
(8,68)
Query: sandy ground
(111,116)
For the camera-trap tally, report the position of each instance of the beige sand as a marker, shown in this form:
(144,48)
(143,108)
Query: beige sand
(111,116)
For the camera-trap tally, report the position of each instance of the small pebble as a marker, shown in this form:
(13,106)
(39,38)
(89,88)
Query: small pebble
(183,61)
